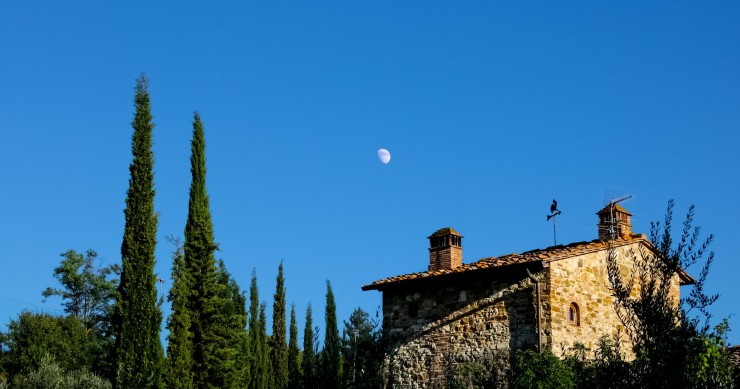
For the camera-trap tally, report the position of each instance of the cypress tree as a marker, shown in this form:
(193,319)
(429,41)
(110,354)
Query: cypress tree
(278,349)
(179,342)
(265,371)
(225,334)
(137,315)
(308,363)
(294,353)
(238,333)
(331,366)
(254,335)
(210,314)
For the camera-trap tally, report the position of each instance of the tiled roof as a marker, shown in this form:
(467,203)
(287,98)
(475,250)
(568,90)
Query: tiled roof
(445,231)
(546,255)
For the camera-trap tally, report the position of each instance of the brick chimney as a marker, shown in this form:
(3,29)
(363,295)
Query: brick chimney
(445,249)
(614,222)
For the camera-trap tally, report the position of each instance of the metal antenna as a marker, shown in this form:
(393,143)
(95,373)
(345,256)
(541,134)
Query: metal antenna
(161,282)
(612,204)
(554,211)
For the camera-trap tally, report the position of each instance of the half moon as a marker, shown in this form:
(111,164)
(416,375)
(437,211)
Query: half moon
(384,156)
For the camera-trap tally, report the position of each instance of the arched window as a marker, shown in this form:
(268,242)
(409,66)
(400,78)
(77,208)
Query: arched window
(574,315)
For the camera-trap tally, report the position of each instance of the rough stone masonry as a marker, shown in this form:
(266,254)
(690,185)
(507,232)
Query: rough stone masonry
(460,318)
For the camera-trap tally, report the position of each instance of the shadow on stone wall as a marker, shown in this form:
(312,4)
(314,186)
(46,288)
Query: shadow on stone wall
(472,345)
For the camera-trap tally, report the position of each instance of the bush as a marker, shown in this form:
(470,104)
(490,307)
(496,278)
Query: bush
(33,335)
(467,376)
(606,370)
(544,370)
(50,375)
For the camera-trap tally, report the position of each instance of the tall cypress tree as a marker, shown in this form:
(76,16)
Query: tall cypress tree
(294,353)
(331,366)
(278,349)
(308,363)
(213,355)
(255,349)
(137,315)
(179,361)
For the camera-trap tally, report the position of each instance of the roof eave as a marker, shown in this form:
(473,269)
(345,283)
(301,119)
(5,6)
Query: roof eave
(495,269)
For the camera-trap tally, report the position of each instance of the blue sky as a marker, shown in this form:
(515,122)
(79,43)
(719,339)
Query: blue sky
(490,110)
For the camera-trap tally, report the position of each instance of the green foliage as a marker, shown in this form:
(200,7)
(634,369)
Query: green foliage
(211,300)
(294,353)
(137,315)
(278,348)
(201,265)
(467,375)
(709,365)
(178,374)
(544,370)
(86,293)
(606,370)
(33,336)
(265,368)
(308,362)
(226,333)
(3,353)
(331,364)
(360,351)
(238,338)
(667,341)
(256,342)
(49,375)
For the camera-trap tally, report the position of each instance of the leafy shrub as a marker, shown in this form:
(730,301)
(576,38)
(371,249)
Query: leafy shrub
(49,375)
(533,370)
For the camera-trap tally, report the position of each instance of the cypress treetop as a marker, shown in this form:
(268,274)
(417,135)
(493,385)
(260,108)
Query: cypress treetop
(137,315)
(213,308)
(278,349)
(308,363)
(294,353)
(331,368)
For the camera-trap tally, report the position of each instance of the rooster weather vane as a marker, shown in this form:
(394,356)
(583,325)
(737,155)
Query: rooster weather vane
(554,211)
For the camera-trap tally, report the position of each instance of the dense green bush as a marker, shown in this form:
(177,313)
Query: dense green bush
(33,335)
(543,370)
(49,375)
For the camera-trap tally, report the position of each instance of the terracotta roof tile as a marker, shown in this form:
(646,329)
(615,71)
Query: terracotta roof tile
(546,255)
(445,231)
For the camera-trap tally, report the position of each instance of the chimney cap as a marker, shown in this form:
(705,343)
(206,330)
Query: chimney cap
(444,232)
(617,208)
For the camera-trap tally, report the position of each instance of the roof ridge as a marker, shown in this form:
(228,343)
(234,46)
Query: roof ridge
(549,254)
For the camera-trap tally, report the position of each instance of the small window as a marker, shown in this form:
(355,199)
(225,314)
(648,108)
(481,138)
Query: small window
(574,315)
(413,310)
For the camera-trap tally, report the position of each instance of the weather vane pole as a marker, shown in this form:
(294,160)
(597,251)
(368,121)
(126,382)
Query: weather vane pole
(554,211)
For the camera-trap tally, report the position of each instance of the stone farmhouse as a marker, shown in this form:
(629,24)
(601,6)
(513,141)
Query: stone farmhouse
(477,314)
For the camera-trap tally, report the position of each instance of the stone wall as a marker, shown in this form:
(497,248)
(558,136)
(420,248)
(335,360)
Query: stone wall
(442,326)
(583,281)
